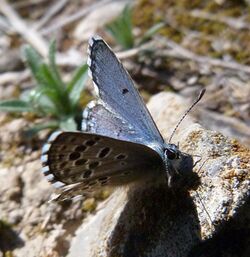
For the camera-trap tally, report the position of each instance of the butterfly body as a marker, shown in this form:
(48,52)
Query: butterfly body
(119,142)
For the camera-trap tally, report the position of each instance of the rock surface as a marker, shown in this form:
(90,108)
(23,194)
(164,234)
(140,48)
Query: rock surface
(153,221)
(137,220)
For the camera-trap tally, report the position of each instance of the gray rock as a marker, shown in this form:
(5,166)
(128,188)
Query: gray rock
(151,220)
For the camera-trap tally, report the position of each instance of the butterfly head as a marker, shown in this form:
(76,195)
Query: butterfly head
(172,152)
(178,167)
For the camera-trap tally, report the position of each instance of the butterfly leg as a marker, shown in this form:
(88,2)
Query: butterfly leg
(75,192)
(200,158)
(171,171)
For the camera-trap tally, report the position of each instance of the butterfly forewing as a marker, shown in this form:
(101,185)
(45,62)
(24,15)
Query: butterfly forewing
(73,157)
(117,92)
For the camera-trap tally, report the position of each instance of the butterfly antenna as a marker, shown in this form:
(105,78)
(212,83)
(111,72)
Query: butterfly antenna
(204,207)
(202,92)
(201,200)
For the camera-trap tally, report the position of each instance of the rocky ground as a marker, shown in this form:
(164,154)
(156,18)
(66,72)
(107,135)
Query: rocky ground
(202,45)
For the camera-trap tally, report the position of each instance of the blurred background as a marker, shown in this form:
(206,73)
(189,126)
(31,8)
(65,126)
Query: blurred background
(177,46)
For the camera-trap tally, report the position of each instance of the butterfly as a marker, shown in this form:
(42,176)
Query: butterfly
(119,142)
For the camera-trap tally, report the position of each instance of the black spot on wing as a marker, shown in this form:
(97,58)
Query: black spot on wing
(104,152)
(121,157)
(80,162)
(90,142)
(124,91)
(74,156)
(93,165)
(80,148)
(87,173)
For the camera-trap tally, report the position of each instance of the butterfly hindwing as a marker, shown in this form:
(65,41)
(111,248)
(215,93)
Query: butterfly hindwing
(98,119)
(117,91)
(75,157)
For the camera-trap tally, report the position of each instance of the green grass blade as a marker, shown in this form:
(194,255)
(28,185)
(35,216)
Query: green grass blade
(77,84)
(59,96)
(48,78)
(15,105)
(52,83)
(38,68)
(121,29)
(151,31)
(45,75)
(52,64)
(127,21)
(43,100)
(33,60)
(58,103)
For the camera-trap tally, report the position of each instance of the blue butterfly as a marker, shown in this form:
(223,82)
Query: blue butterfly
(119,142)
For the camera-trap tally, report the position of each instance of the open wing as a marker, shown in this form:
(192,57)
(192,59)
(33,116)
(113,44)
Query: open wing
(118,94)
(93,161)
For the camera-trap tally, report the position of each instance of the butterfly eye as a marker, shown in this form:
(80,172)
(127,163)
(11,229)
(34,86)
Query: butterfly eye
(171,155)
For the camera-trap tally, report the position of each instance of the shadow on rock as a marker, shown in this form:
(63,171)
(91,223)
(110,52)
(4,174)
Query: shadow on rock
(232,238)
(156,221)
(9,239)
